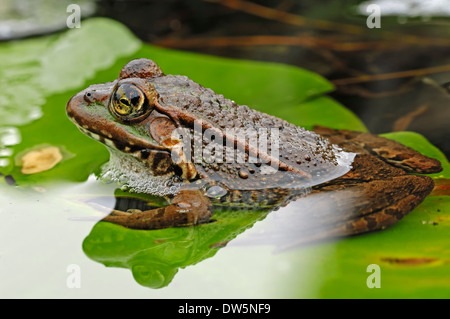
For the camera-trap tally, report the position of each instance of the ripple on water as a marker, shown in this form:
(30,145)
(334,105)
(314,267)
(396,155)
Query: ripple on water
(9,136)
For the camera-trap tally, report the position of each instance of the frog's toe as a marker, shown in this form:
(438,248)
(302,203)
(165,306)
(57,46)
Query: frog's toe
(390,151)
(187,208)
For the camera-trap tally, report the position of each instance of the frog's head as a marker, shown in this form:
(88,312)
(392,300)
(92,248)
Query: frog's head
(137,115)
(127,117)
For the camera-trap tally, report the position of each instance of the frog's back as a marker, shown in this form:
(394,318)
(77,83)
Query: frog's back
(290,149)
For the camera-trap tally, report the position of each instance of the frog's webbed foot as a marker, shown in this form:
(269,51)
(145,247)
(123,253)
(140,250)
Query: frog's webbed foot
(188,207)
(377,192)
(388,150)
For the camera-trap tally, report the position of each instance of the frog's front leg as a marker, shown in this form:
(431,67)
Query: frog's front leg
(188,207)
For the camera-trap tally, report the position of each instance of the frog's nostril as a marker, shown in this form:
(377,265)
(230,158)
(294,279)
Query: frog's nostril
(89,97)
(94,95)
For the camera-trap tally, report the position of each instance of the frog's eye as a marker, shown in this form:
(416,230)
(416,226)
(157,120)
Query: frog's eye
(128,102)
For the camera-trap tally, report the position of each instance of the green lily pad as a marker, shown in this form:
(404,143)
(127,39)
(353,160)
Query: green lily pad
(155,257)
(323,111)
(413,257)
(34,69)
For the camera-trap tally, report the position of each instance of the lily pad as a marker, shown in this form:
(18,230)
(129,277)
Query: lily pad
(413,258)
(155,257)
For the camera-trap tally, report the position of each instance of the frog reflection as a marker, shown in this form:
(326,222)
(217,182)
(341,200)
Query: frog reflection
(154,257)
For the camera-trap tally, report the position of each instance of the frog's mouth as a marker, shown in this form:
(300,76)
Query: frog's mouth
(94,122)
(131,145)
(156,160)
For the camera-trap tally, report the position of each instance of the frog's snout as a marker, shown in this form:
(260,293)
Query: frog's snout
(92,95)
(71,106)
(76,106)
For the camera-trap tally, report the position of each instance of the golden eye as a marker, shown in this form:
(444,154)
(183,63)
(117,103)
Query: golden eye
(128,102)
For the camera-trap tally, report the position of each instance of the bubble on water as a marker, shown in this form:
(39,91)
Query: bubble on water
(4,162)
(267,170)
(6,152)
(9,136)
(216,192)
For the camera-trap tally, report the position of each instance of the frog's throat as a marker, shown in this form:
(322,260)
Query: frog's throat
(148,153)
(134,175)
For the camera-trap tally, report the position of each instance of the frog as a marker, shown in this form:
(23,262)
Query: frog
(174,138)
